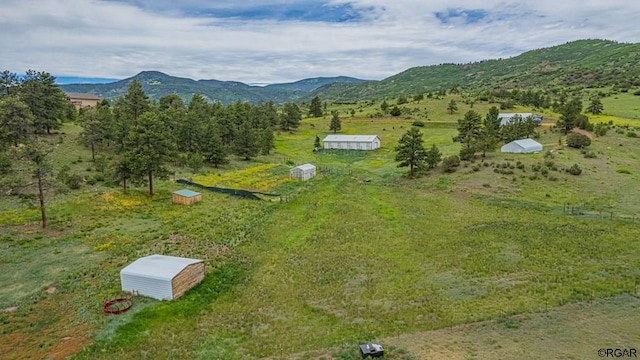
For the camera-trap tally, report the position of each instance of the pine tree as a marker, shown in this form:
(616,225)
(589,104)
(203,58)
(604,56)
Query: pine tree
(433,156)
(315,109)
(336,124)
(247,142)
(452,107)
(410,151)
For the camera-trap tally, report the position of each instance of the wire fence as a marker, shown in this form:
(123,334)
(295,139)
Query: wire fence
(582,211)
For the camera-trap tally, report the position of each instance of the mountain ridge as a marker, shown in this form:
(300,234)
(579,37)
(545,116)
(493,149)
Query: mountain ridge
(590,62)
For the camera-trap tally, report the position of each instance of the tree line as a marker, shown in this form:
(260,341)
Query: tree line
(131,139)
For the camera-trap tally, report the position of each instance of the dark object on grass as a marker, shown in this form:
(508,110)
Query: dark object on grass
(118,305)
(371,349)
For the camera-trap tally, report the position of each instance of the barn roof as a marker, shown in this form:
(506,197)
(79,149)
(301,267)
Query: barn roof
(186,193)
(85,96)
(351,138)
(527,143)
(505,118)
(305,167)
(161,267)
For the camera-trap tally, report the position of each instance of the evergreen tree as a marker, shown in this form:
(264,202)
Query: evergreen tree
(316,142)
(490,133)
(16,122)
(569,113)
(452,107)
(384,107)
(215,151)
(595,106)
(8,82)
(247,142)
(267,140)
(38,155)
(47,102)
(315,109)
(94,132)
(291,116)
(433,156)
(469,128)
(336,124)
(410,151)
(127,110)
(149,146)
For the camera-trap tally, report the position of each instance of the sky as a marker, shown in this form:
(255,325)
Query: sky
(276,41)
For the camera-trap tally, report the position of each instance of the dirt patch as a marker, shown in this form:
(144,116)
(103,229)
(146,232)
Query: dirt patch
(10,309)
(47,329)
(51,290)
(586,133)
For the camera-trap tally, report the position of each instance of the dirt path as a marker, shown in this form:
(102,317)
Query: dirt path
(586,133)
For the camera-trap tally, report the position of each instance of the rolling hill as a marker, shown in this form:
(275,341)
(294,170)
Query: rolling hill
(590,63)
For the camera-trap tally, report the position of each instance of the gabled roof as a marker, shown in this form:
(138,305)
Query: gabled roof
(186,193)
(351,138)
(527,143)
(84,96)
(161,267)
(305,167)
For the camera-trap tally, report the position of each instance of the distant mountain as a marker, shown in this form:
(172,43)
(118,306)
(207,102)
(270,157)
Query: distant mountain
(590,63)
(308,85)
(156,85)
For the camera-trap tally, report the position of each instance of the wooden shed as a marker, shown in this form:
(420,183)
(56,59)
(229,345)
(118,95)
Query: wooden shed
(303,172)
(162,277)
(186,197)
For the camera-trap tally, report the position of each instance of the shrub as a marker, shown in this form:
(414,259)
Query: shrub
(552,178)
(467,153)
(636,93)
(624,171)
(590,155)
(578,141)
(450,163)
(418,123)
(601,129)
(632,134)
(575,170)
(74,181)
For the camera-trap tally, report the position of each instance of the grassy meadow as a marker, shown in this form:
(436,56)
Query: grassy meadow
(362,253)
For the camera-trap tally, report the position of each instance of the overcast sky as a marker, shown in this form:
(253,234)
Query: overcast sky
(259,41)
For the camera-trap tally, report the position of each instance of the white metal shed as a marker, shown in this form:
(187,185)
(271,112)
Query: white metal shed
(506,118)
(522,146)
(303,172)
(162,277)
(352,142)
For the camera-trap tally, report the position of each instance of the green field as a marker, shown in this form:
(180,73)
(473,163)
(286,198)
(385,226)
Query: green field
(343,261)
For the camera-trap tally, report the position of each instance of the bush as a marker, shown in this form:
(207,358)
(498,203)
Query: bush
(590,155)
(450,163)
(601,129)
(623,171)
(418,123)
(575,170)
(636,93)
(467,153)
(74,181)
(578,141)
(632,134)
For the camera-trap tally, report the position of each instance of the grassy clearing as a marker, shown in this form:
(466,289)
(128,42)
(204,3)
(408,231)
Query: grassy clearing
(344,261)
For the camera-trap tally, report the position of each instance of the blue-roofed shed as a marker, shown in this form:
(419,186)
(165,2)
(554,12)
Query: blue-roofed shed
(186,197)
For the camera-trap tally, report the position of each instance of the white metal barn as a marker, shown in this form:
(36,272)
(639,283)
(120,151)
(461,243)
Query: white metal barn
(522,146)
(506,118)
(352,142)
(162,277)
(303,172)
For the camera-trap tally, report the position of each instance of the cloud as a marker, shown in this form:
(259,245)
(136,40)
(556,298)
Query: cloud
(289,40)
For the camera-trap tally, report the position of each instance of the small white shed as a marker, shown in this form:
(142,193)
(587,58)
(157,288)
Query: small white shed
(522,146)
(351,142)
(303,172)
(162,277)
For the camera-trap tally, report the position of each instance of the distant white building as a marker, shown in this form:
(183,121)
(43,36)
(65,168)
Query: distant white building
(506,118)
(352,142)
(522,146)
(303,172)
